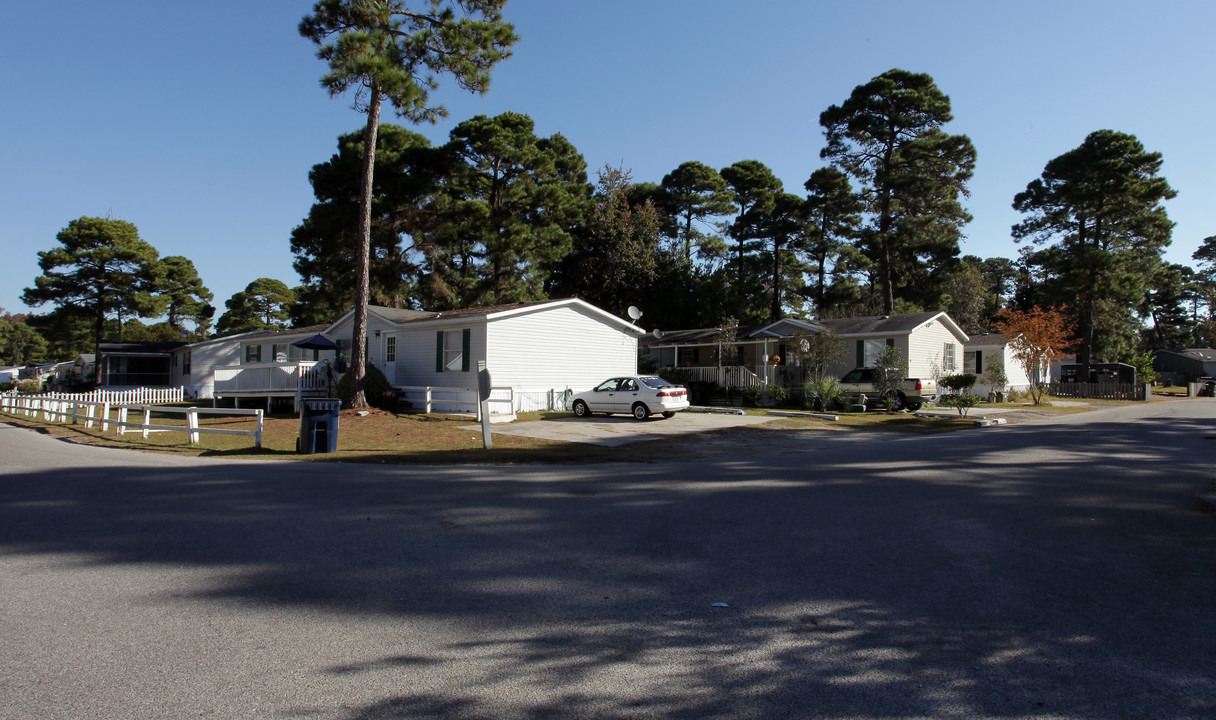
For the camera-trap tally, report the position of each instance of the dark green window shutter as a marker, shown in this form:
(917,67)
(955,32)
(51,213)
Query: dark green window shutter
(439,351)
(979,362)
(861,353)
(465,336)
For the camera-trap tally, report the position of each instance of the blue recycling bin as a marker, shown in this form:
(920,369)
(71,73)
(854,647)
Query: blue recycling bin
(318,425)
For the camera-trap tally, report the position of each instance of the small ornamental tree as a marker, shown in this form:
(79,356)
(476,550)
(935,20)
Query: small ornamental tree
(818,353)
(1038,338)
(995,378)
(889,370)
(959,396)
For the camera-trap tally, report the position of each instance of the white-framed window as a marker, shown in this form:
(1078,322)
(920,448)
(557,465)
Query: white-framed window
(948,365)
(253,353)
(390,348)
(868,351)
(453,351)
(186,363)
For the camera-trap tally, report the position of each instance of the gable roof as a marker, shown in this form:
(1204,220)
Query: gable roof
(904,324)
(491,312)
(986,340)
(696,336)
(138,347)
(1200,354)
(801,326)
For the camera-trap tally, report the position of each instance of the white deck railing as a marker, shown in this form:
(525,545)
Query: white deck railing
(728,376)
(271,377)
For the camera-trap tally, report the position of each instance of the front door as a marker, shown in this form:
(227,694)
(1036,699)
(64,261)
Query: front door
(388,356)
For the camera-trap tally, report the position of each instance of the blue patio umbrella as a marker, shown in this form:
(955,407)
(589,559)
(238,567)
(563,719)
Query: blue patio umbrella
(316,342)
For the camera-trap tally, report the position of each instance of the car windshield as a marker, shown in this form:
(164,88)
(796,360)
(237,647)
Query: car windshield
(655,382)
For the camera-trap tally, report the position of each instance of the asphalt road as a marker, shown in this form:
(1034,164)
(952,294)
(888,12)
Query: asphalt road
(1042,570)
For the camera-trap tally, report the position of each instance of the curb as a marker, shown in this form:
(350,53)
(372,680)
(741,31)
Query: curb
(718,411)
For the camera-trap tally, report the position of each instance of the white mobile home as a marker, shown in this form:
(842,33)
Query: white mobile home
(540,350)
(982,352)
(931,342)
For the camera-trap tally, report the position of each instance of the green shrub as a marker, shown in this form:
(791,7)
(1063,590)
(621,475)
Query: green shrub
(958,383)
(29,387)
(822,392)
(6,386)
(751,396)
(676,375)
(777,394)
(374,387)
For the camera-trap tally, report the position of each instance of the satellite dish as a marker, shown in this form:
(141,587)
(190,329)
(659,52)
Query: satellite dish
(633,312)
(658,334)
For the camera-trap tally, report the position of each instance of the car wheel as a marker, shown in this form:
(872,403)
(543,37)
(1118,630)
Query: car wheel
(640,411)
(914,406)
(669,414)
(581,409)
(898,401)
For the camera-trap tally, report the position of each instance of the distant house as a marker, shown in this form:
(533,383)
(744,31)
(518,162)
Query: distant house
(931,343)
(983,351)
(753,346)
(273,361)
(539,350)
(9,373)
(1178,367)
(128,364)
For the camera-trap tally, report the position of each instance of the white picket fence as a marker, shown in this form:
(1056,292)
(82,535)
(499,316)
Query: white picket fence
(133,396)
(64,409)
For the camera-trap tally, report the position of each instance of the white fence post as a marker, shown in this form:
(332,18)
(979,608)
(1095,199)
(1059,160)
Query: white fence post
(192,424)
(257,438)
(147,420)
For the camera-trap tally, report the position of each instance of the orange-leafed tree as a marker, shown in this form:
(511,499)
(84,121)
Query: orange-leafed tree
(1038,337)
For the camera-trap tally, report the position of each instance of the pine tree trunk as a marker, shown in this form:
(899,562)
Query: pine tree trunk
(358,351)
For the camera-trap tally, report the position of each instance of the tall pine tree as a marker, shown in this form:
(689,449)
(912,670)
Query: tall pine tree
(395,50)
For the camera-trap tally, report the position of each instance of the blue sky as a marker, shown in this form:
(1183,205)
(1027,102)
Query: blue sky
(198,122)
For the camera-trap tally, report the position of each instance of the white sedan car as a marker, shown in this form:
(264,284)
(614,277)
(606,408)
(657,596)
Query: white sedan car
(639,396)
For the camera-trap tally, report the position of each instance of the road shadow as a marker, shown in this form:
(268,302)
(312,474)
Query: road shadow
(831,584)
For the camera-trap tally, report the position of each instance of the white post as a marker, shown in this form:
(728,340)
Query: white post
(122,420)
(147,420)
(192,424)
(257,438)
(90,411)
(105,416)
(427,400)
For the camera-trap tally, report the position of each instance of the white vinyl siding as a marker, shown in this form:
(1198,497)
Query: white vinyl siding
(563,347)
(926,354)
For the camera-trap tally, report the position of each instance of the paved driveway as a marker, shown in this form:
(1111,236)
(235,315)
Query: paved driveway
(614,430)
